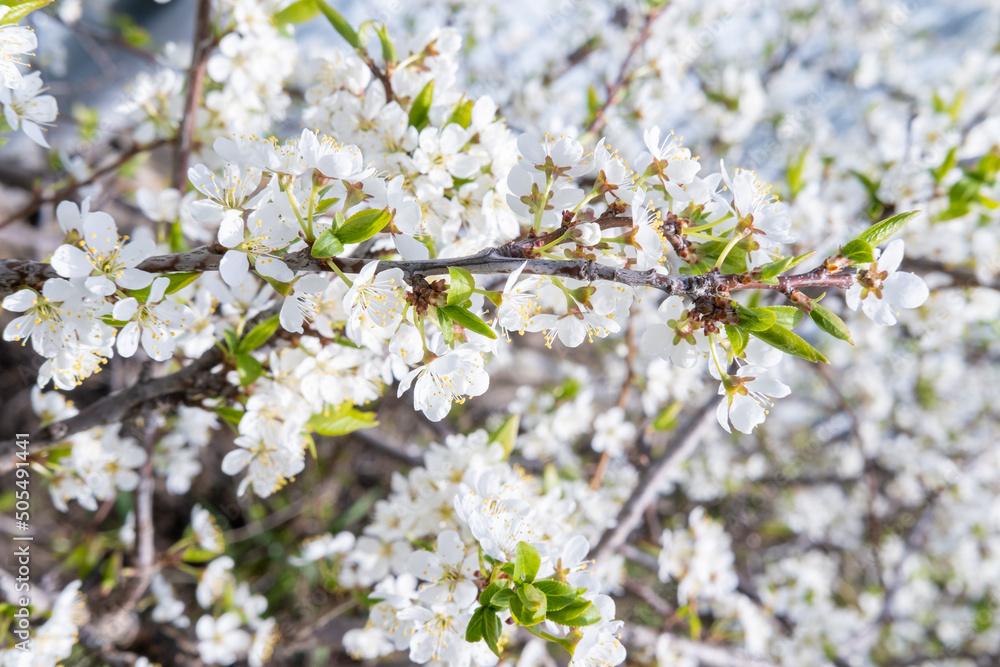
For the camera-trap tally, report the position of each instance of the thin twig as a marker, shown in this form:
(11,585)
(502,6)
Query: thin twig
(648,489)
(203,44)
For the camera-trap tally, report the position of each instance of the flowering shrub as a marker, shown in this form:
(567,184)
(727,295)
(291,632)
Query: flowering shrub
(312,234)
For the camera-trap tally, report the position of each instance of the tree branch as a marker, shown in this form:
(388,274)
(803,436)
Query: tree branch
(203,44)
(686,439)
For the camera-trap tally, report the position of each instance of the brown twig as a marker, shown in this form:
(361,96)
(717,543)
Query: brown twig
(66,191)
(686,439)
(203,44)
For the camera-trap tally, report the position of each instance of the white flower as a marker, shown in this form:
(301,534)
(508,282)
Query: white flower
(271,229)
(221,641)
(745,397)
(497,514)
(155,322)
(24,107)
(323,547)
(452,377)
(649,242)
(374,304)
(14,40)
(214,580)
(439,633)
(272,455)
(517,303)
(599,646)
(224,205)
(612,432)
(449,568)
(42,322)
(206,531)
(103,255)
(881,289)
(668,158)
(302,304)
(168,609)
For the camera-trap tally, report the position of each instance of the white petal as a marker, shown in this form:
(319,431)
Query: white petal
(892,257)
(231,228)
(128,339)
(125,309)
(233,267)
(905,290)
(70,262)
(273,268)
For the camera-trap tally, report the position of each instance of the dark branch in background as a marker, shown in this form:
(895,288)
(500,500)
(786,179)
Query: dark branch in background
(203,44)
(623,77)
(686,439)
(960,276)
(68,190)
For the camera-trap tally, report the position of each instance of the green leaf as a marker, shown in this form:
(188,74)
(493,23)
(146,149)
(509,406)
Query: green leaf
(345,418)
(363,225)
(491,590)
(232,342)
(177,282)
(248,368)
(20,10)
(755,319)
(502,599)
(736,259)
(830,322)
(579,613)
(259,334)
(880,232)
(474,630)
(737,338)
(558,595)
(667,418)
(339,24)
(297,12)
(231,415)
(768,271)
(790,343)
(326,245)
(196,555)
(524,614)
(447,327)
(471,322)
(858,251)
(388,48)
(462,115)
(786,316)
(492,631)
(421,106)
(506,435)
(461,286)
(527,563)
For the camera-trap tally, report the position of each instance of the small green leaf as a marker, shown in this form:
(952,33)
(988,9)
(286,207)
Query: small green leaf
(502,599)
(528,562)
(259,334)
(474,630)
(506,435)
(462,115)
(20,10)
(532,598)
(177,282)
(326,245)
(523,614)
(363,225)
(882,231)
(461,285)
(737,338)
(667,418)
(345,418)
(858,251)
(790,343)
(249,369)
(492,630)
(755,319)
(447,327)
(388,48)
(339,24)
(297,12)
(558,595)
(231,415)
(786,316)
(768,271)
(196,555)
(491,590)
(579,613)
(471,322)
(830,322)
(232,342)
(421,106)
